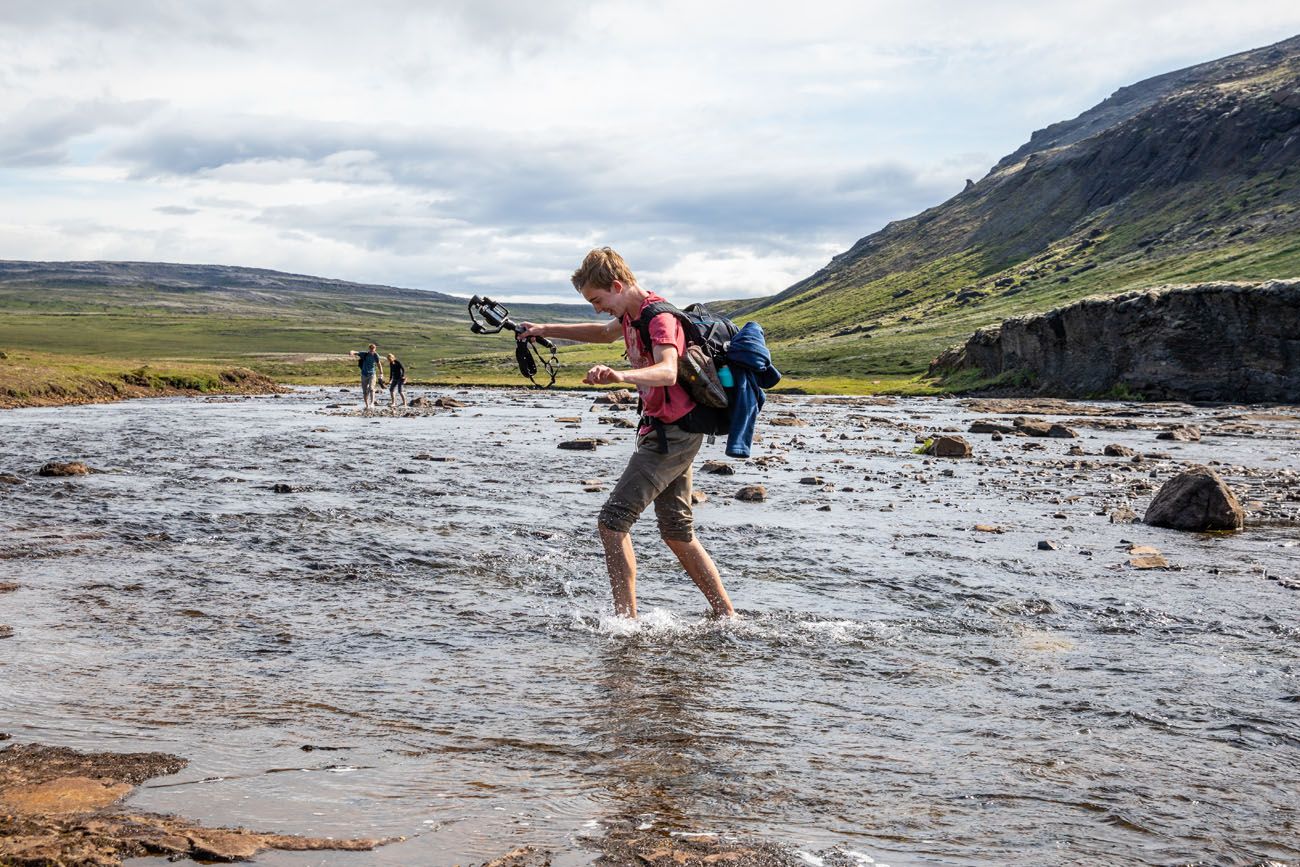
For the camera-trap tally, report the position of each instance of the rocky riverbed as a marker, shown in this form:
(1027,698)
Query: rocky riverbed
(369,626)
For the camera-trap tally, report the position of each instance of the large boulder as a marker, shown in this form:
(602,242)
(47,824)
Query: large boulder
(949,446)
(1196,500)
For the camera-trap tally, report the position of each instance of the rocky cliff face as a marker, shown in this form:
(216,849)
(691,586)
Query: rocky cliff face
(1237,342)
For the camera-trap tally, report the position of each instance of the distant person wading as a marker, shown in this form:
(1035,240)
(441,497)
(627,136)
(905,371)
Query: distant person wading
(396,380)
(368,361)
(660,469)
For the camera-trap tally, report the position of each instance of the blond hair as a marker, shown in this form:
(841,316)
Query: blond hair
(601,268)
(392,357)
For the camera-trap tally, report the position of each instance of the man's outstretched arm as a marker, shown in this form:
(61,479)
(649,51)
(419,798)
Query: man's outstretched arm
(583,332)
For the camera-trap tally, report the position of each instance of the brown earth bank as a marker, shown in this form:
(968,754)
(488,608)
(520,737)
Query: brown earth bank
(1229,342)
(62,807)
(42,384)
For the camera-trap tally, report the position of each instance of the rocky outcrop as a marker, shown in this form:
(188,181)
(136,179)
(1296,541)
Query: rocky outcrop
(1235,342)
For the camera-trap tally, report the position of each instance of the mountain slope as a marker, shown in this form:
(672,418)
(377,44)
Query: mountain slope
(1188,176)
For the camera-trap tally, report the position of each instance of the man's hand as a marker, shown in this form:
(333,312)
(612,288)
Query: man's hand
(530,331)
(602,375)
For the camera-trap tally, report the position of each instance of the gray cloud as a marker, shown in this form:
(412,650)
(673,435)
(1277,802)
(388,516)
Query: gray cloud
(243,24)
(422,193)
(39,134)
(176,210)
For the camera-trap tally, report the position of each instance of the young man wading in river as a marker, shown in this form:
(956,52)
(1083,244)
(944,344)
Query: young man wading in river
(660,469)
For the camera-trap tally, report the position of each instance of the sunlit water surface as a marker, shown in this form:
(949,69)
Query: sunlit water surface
(898,686)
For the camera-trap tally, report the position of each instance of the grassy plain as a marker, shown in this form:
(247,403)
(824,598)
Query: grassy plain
(843,336)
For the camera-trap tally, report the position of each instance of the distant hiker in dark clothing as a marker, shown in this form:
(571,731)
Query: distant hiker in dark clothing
(369,364)
(660,469)
(396,379)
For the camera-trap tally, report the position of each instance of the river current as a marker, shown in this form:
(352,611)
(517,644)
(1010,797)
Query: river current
(423,646)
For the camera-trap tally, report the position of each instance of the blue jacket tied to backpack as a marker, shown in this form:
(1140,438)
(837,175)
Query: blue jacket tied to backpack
(751,365)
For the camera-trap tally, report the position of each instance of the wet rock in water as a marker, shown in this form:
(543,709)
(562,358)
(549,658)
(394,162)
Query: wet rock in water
(812,480)
(7,479)
(1061,432)
(284,488)
(752,494)
(626,843)
(405,471)
(61,468)
(1114,450)
(449,403)
(586,444)
(618,397)
(1123,515)
(1076,450)
(420,402)
(698,497)
(997,438)
(8,586)
(825,508)
(990,427)
(787,421)
(1183,433)
(1033,427)
(524,856)
(987,528)
(1048,545)
(568,419)
(718,468)
(6,631)
(617,421)
(1196,500)
(1146,557)
(949,447)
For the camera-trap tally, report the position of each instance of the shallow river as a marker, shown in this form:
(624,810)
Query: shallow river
(901,688)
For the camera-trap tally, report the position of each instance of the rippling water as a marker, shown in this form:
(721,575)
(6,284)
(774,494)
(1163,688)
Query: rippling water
(899,686)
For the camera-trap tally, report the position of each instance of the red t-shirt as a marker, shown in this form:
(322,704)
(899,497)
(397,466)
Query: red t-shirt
(666,404)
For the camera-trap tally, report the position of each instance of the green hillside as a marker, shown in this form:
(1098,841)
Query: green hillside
(1187,177)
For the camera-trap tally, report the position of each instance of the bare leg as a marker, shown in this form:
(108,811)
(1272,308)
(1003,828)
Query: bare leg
(700,566)
(620,560)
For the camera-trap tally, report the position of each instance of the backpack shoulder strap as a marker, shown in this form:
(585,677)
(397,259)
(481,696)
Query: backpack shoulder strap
(653,309)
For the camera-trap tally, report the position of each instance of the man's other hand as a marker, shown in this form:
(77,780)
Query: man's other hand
(602,375)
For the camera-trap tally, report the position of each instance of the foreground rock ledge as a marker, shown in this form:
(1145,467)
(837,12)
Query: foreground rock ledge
(60,806)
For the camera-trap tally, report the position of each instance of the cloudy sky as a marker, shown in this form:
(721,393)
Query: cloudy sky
(727,148)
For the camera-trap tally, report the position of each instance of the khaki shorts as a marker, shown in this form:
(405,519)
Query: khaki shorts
(664,479)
